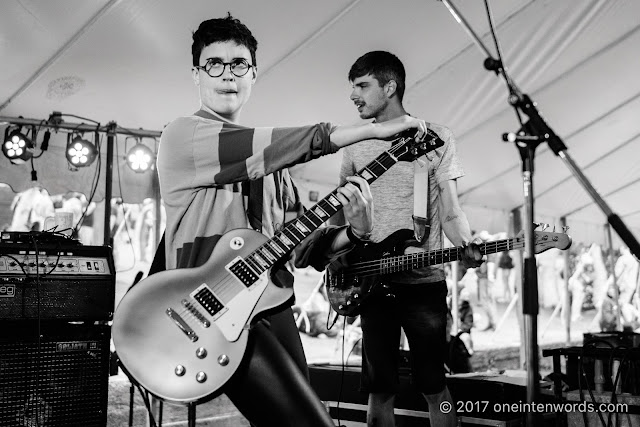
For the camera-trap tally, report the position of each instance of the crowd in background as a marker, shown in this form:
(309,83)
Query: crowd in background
(600,282)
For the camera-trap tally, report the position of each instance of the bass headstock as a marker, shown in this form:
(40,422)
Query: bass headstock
(407,147)
(544,240)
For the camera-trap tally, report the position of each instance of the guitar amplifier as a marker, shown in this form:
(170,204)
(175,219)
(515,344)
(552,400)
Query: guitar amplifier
(56,281)
(53,374)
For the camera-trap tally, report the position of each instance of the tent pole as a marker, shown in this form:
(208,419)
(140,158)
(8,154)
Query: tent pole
(111,134)
(566,300)
(616,288)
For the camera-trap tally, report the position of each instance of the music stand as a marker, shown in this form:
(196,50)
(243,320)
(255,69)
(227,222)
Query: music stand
(534,132)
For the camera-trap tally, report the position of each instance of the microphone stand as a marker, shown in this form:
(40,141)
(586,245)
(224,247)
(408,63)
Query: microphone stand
(534,132)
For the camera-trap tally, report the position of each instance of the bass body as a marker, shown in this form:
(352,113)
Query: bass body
(349,287)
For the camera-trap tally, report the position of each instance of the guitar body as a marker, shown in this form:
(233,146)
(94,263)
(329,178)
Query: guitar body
(347,289)
(183,333)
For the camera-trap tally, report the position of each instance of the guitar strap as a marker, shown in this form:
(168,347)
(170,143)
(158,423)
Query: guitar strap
(420,215)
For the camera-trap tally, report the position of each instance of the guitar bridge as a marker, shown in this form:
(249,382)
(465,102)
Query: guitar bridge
(182,325)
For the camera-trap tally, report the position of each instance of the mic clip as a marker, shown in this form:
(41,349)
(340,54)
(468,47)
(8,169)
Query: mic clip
(522,137)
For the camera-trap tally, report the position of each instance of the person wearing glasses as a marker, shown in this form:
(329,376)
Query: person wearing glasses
(205,160)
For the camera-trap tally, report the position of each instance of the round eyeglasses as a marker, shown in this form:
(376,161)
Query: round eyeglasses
(215,67)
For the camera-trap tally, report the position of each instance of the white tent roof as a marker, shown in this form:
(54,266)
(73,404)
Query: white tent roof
(129,61)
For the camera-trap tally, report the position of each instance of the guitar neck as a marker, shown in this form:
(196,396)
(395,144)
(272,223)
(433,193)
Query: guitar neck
(297,230)
(441,256)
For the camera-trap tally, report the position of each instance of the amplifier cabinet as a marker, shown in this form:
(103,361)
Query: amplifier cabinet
(61,379)
(51,282)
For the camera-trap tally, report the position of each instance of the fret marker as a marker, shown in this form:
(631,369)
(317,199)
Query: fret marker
(300,226)
(261,261)
(277,249)
(320,212)
(367,175)
(332,199)
(286,240)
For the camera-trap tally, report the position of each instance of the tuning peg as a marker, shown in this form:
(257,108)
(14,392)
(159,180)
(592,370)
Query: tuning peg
(554,228)
(544,226)
(421,162)
(565,228)
(536,225)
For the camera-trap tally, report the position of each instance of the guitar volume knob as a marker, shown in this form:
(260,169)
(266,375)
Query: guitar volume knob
(180,370)
(223,360)
(201,377)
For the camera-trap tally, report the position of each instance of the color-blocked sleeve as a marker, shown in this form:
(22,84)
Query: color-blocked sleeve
(294,145)
(251,153)
(221,153)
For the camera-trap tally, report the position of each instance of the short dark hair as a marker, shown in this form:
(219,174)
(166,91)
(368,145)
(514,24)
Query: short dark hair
(222,30)
(383,66)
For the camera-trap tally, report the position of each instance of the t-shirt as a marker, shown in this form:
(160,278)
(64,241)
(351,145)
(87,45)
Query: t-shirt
(393,194)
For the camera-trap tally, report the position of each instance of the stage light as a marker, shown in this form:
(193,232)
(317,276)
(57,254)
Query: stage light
(140,158)
(80,152)
(17,147)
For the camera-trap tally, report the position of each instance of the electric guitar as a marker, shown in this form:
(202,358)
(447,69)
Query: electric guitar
(357,275)
(182,333)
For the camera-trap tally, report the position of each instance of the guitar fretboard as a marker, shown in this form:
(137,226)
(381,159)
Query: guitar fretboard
(296,231)
(424,259)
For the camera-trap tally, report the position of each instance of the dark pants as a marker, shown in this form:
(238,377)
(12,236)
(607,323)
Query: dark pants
(271,386)
(421,311)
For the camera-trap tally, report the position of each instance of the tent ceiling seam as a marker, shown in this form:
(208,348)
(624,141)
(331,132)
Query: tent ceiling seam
(562,76)
(610,193)
(309,39)
(468,47)
(545,149)
(59,53)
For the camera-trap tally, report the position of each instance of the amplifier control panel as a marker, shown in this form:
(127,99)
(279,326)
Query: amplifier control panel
(47,264)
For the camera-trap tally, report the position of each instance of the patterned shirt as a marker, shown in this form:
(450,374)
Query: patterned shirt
(201,164)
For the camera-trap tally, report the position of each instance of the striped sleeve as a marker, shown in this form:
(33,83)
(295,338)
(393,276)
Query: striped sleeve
(250,153)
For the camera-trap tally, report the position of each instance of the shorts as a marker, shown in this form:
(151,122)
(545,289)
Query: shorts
(421,310)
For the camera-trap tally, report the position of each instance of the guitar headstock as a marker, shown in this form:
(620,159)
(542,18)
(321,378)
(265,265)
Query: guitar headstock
(545,240)
(407,148)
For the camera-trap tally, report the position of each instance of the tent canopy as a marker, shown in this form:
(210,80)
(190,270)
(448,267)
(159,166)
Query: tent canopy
(129,61)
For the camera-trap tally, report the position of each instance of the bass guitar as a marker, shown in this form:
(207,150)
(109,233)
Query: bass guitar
(182,333)
(356,276)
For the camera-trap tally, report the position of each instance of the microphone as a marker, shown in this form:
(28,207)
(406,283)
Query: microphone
(513,137)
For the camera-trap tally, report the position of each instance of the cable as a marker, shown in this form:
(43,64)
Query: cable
(592,341)
(95,182)
(124,217)
(500,65)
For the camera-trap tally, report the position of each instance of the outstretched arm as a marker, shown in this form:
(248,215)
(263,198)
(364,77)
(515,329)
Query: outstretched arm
(346,135)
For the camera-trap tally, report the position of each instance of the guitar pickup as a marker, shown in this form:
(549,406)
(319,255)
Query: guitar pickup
(209,301)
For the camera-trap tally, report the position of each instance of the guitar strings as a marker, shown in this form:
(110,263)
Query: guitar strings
(390,152)
(371,268)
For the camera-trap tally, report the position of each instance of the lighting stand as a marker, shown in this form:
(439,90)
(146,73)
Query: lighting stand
(534,132)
